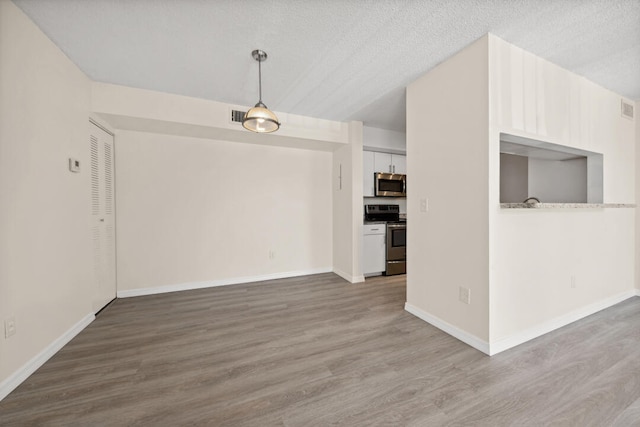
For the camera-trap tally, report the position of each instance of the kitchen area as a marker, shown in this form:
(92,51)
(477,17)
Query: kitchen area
(384,231)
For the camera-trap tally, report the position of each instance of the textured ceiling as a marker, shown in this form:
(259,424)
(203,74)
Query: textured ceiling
(332,59)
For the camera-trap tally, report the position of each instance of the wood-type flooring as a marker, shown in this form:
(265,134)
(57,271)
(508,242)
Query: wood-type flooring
(318,351)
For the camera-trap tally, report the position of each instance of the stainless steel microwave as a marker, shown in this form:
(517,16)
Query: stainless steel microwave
(390,185)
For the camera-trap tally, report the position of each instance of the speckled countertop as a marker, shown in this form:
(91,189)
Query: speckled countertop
(564,205)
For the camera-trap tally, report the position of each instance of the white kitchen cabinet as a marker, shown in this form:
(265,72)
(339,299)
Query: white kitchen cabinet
(382,162)
(389,163)
(374,249)
(399,163)
(368,170)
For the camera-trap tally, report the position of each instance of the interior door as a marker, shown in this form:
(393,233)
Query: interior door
(101,149)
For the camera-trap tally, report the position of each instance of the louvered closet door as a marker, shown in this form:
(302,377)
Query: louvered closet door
(102,216)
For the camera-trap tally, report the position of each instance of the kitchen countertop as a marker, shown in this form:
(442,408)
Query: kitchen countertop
(565,205)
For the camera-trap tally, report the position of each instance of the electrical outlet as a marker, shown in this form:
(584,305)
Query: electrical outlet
(573,282)
(464,295)
(9,327)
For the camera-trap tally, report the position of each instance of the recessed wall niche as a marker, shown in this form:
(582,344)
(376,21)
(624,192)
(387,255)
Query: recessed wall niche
(551,173)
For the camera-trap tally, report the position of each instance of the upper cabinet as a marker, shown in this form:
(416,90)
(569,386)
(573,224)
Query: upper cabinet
(368,170)
(389,163)
(382,162)
(373,161)
(399,163)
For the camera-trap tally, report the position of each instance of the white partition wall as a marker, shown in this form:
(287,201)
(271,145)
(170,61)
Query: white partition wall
(347,209)
(496,277)
(637,109)
(552,266)
(447,203)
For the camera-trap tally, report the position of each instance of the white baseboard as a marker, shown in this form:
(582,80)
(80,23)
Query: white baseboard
(553,324)
(15,379)
(447,327)
(638,292)
(213,283)
(348,277)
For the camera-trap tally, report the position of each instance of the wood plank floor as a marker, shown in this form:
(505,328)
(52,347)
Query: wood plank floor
(318,351)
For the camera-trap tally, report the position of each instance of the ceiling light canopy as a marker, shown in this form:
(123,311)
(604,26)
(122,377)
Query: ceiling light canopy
(259,118)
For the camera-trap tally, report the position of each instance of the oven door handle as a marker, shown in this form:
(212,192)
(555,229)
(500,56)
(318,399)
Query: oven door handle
(396,225)
(404,186)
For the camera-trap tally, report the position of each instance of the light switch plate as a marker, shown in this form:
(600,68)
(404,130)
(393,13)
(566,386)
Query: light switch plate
(424,205)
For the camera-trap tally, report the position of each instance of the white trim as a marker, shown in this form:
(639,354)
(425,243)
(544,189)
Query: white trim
(214,283)
(452,330)
(15,379)
(553,324)
(384,150)
(638,292)
(348,277)
(95,121)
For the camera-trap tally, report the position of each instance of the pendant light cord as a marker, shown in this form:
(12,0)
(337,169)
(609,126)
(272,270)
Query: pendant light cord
(260,79)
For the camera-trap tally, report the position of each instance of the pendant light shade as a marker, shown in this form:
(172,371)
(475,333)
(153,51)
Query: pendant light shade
(259,118)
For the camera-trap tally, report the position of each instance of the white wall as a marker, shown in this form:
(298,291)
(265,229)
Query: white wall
(447,152)
(309,147)
(194,212)
(535,253)
(529,271)
(539,253)
(514,178)
(533,98)
(384,140)
(46,278)
(637,111)
(157,112)
(558,181)
(348,210)
(288,173)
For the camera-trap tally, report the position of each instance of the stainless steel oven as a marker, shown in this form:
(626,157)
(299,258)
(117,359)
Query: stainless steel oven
(396,248)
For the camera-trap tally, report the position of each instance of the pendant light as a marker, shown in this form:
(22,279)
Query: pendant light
(259,118)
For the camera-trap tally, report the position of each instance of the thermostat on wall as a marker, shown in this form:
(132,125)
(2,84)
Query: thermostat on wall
(74,165)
